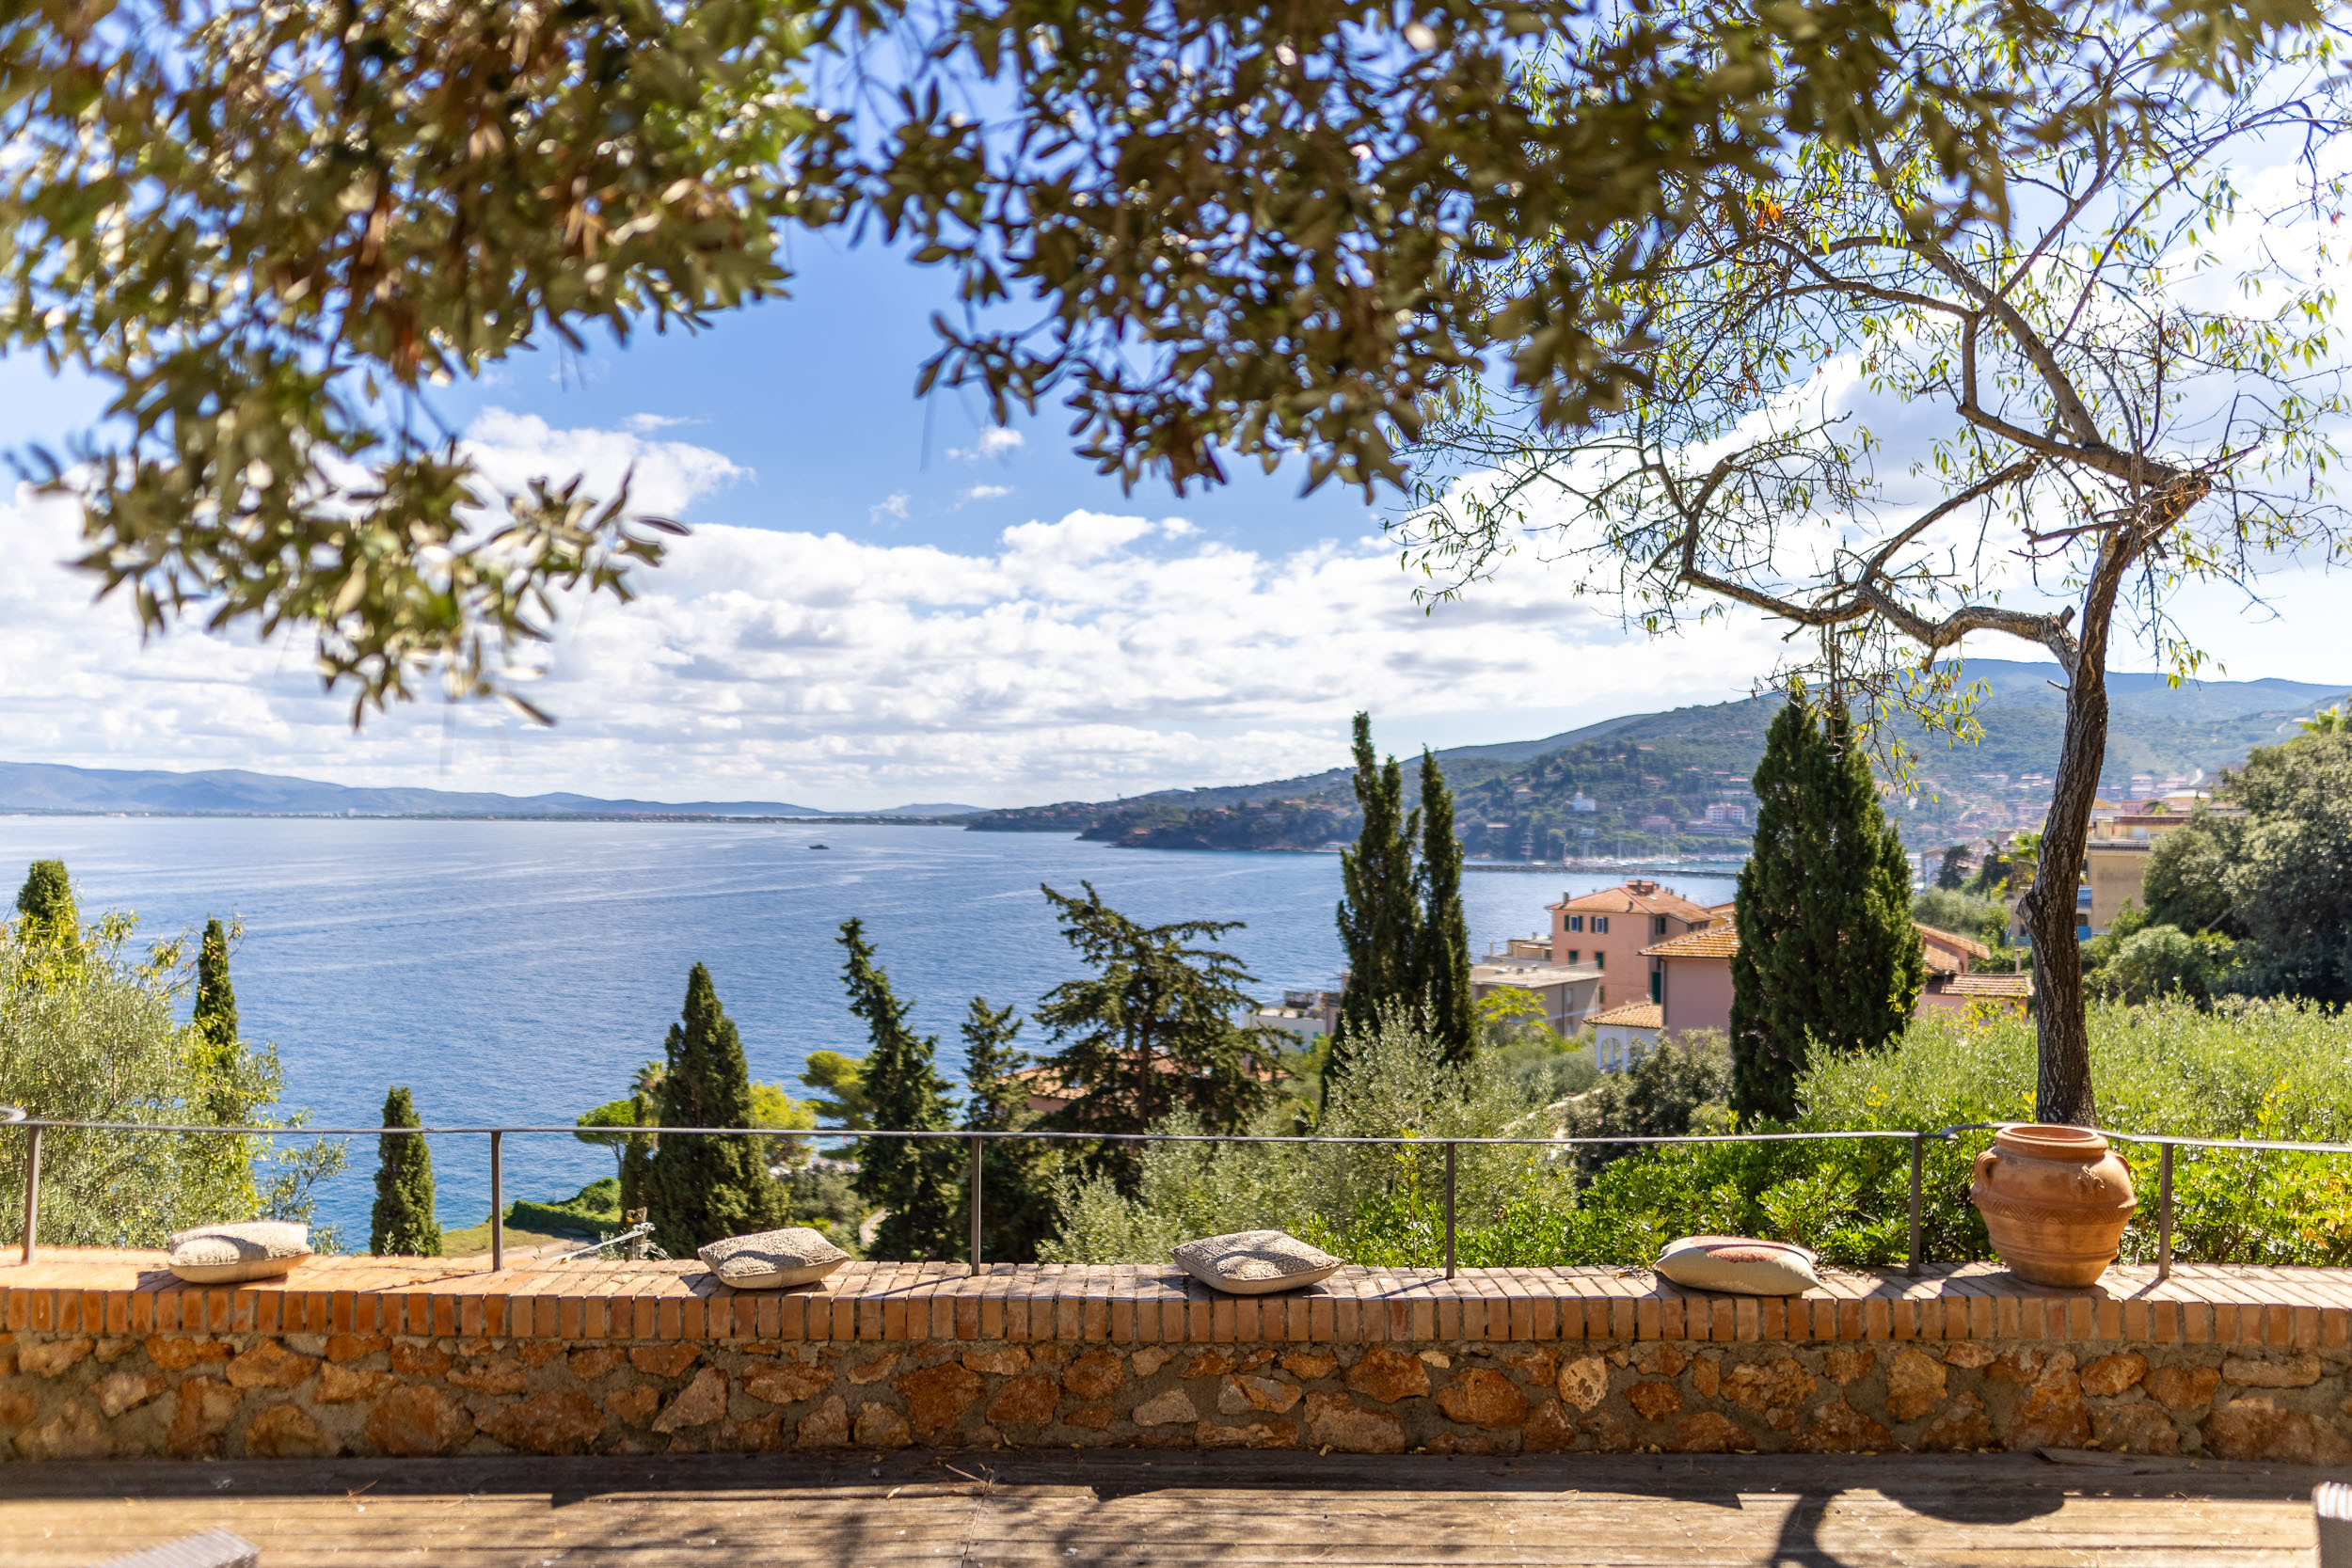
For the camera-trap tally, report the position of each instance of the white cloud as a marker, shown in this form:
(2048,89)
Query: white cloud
(1085,657)
(982,493)
(893,505)
(996,441)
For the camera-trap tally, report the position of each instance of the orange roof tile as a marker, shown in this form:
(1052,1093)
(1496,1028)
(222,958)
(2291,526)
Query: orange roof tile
(1622,899)
(1633,1015)
(2018,986)
(1719,941)
(1954,940)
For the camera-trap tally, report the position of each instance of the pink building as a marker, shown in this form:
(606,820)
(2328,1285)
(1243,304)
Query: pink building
(1611,928)
(1694,985)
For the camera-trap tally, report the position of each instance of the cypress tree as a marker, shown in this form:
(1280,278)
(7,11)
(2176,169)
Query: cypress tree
(702,1190)
(47,902)
(915,1182)
(216,1017)
(1828,956)
(1442,979)
(1379,915)
(225,1104)
(1017,1208)
(403,1222)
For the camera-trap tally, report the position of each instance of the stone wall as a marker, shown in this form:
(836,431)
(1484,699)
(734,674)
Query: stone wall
(83,1395)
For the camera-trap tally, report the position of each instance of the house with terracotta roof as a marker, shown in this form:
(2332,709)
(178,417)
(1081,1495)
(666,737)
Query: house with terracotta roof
(1695,982)
(1621,1034)
(1609,931)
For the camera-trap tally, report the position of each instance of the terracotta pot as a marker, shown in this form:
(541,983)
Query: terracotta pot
(2056,1200)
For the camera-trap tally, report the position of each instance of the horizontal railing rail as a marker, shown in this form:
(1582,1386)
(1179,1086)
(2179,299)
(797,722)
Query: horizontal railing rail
(977,1139)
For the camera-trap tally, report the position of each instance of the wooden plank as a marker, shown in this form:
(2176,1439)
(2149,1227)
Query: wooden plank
(1177,1509)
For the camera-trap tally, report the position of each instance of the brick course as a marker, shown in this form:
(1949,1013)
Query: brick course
(104,1353)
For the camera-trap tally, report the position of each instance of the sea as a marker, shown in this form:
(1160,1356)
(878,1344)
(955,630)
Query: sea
(519,972)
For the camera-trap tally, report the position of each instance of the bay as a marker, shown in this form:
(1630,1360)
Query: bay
(517,971)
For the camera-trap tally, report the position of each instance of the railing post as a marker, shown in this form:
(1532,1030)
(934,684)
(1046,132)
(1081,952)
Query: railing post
(2164,1212)
(32,1189)
(975,1205)
(1918,1165)
(1449,1209)
(497,1202)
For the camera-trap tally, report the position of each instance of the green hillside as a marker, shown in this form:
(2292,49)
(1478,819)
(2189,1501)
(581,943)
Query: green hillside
(1520,800)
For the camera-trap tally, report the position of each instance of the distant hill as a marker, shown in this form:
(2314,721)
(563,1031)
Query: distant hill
(35,786)
(1520,800)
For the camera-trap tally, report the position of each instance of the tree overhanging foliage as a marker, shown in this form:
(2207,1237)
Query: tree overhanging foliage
(1210,231)
(2121,384)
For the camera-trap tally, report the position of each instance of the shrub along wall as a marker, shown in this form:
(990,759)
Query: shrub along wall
(1577,1361)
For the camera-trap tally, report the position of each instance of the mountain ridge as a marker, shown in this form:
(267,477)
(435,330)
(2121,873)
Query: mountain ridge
(1517,799)
(60,789)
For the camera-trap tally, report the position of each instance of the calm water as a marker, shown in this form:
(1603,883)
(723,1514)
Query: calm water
(519,972)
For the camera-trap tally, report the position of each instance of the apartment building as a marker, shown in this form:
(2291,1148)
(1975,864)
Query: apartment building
(1609,931)
(1695,976)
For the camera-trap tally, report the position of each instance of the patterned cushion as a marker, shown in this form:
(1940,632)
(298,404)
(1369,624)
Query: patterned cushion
(772,1260)
(1255,1262)
(1741,1265)
(227,1254)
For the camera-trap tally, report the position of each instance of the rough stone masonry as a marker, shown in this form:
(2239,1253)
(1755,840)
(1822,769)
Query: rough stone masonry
(310,1394)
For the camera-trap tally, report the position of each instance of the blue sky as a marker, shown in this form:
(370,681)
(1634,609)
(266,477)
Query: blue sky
(885,602)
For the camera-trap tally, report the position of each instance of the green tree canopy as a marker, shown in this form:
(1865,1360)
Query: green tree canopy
(271,232)
(101,1039)
(840,1083)
(2289,882)
(2187,884)
(1828,959)
(915,1180)
(1149,1033)
(700,1190)
(403,1223)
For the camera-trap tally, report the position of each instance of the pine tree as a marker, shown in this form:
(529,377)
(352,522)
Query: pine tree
(703,1189)
(637,1155)
(47,902)
(403,1223)
(916,1181)
(1017,1209)
(1150,1033)
(1828,956)
(1379,915)
(1442,976)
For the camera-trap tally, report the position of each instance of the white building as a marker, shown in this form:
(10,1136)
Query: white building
(1622,1035)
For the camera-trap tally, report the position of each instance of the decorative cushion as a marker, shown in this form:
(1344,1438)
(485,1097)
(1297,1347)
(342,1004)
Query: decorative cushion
(229,1254)
(1255,1262)
(1741,1265)
(772,1260)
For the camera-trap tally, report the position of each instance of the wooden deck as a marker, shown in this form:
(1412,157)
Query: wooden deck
(1180,1510)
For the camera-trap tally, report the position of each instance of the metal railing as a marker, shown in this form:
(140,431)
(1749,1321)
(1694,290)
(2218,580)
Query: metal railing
(977,1141)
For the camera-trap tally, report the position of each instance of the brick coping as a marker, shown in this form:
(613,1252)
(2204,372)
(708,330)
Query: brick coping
(103,1291)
